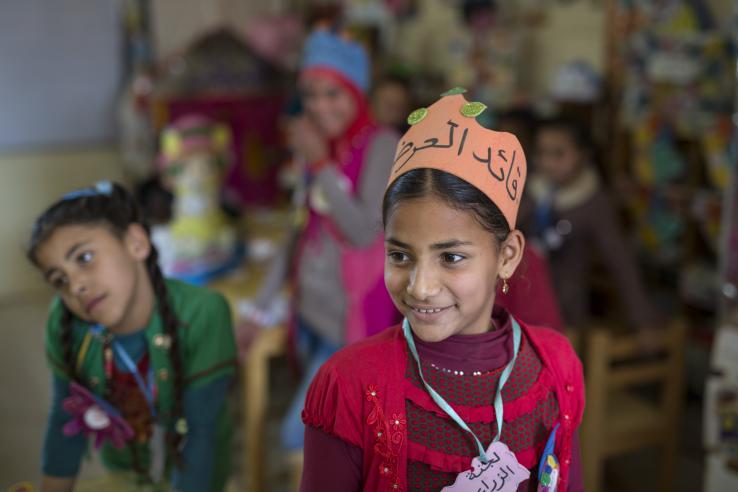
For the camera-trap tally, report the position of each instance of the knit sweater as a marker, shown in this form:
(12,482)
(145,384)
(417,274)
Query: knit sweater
(407,441)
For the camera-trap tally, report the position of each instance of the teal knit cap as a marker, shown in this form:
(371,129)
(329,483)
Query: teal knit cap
(325,49)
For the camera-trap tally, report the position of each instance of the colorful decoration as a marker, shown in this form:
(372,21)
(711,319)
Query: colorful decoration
(417,116)
(719,153)
(454,91)
(181,427)
(678,66)
(548,468)
(93,416)
(199,241)
(473,109)
(449,139)
(550,475)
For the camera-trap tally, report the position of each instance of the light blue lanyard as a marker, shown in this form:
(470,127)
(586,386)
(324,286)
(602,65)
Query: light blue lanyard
(146,389)
(498,395)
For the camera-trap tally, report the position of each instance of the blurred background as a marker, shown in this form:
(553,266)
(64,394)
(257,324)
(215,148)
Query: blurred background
(103,89)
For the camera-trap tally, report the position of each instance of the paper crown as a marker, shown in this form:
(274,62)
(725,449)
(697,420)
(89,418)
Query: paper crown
(446,136)
(325,49)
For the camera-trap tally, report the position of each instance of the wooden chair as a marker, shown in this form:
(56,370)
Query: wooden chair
(575,338)
(617,420)
(269,343)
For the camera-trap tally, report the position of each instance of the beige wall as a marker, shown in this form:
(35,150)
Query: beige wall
(571,31)
(723,10)
(28,183)
(567,32)
(178,22)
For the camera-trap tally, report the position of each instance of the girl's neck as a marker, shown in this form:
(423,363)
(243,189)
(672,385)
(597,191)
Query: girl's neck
(468,353)
(141,307)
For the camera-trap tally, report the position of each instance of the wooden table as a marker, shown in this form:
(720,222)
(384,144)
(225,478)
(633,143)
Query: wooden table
(269,343)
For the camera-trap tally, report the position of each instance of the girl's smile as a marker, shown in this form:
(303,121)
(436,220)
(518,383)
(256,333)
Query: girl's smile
(330,107)
(441,268)
(430,314)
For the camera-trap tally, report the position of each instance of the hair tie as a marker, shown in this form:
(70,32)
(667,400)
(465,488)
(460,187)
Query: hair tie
(99,188)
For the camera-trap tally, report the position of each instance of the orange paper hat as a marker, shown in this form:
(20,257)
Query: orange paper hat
(447,136)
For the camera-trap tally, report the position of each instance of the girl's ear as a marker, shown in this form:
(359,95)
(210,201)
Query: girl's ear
(511,252)
(137,242)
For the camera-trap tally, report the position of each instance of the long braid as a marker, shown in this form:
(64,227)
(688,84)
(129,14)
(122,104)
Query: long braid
(138,468)
(65,339)
(171,325)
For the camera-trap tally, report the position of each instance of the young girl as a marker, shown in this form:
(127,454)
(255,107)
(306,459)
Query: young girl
(574,218)
(462,395)
(339,296)
(140,363)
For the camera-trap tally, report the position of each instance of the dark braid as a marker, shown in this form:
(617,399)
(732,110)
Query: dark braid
(67,325)
(171,324)
(116,210)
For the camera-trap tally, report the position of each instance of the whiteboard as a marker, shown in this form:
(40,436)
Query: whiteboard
(60,72)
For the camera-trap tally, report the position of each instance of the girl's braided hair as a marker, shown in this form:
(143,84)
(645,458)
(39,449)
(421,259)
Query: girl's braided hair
(110,205)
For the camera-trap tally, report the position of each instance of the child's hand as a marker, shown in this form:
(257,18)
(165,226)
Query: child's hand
(304,139)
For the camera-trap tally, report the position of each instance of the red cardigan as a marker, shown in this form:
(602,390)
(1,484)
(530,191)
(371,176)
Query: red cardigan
(359,396)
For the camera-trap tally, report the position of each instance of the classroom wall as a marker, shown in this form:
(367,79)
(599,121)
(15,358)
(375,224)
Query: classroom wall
(571,31)
(724,11)
(178,22)
(30,181)
(565,32)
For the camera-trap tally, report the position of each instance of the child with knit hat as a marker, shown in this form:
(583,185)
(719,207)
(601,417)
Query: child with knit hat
(339,254)
(461,395)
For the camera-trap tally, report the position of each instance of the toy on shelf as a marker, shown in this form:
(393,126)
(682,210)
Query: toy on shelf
(221,76)
(199,243)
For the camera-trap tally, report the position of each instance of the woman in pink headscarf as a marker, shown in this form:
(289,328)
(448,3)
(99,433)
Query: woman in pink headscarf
(339,261)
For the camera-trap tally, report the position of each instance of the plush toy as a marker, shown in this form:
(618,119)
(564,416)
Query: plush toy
(199,241)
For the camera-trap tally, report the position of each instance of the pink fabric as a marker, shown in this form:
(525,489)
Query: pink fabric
(369,304)
(532,281)
(118,432)
(362,269)
(359,396)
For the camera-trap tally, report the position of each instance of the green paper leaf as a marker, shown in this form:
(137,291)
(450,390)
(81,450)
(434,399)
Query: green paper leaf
(473,109)
(417,116)
(181,427)
(454,91)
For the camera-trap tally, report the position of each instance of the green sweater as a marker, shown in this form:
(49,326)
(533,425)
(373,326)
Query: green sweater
(208,353)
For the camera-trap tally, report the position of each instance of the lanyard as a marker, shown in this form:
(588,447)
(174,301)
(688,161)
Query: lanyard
(146,389)
(498,395)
